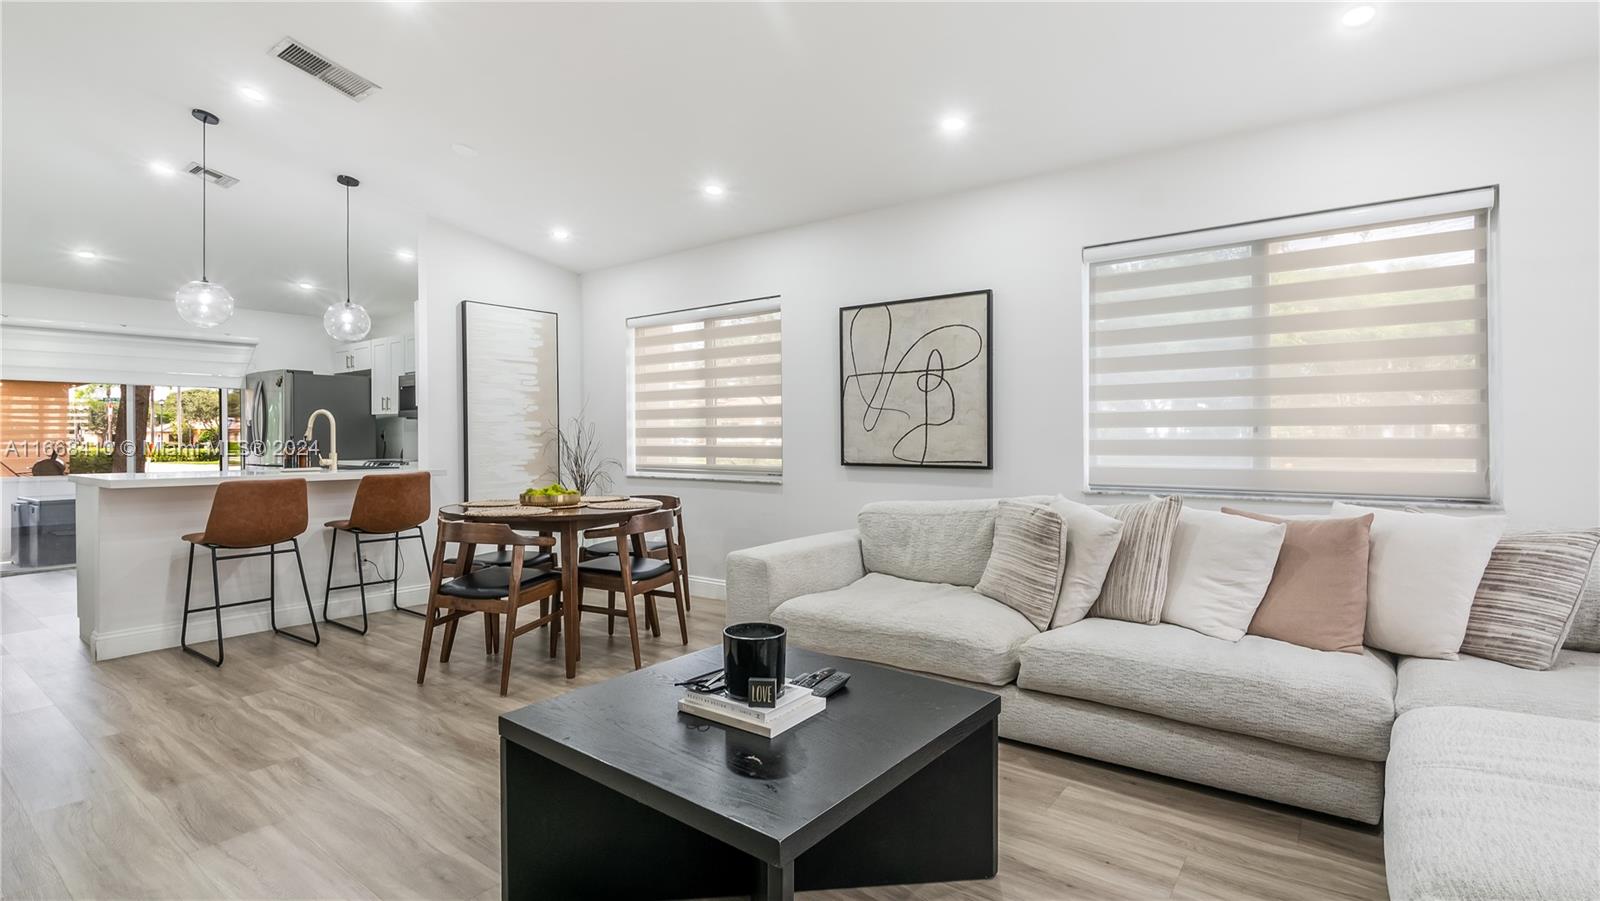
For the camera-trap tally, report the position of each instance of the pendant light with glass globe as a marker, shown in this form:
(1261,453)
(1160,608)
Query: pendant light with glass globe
(347,321)
(200,302)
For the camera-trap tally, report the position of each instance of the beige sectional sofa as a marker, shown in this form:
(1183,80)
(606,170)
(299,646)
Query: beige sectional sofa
(1261,717)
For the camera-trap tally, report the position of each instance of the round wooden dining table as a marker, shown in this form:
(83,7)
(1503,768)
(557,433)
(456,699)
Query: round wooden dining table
(567,524)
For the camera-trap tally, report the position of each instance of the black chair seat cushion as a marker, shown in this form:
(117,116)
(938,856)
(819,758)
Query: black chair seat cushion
(642,568)
(503,558)
(609,546)
(491,582)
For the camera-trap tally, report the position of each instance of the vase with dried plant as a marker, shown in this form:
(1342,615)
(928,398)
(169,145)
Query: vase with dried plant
(584,466)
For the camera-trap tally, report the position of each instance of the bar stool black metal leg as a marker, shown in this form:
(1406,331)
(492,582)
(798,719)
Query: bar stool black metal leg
(327,589)
(183,633)
(361,581)
(395,597)
(316,638)
(216,590)
(427,558)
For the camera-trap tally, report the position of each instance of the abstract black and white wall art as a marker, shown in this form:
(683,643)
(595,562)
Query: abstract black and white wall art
(508,399)
(914,378)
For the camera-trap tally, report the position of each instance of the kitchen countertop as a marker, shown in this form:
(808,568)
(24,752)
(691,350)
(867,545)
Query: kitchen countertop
(191,478)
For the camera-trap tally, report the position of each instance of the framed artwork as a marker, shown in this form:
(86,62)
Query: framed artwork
(915,382)
(509,399)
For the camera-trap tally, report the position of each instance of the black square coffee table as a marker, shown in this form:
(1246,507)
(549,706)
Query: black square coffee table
(610,792)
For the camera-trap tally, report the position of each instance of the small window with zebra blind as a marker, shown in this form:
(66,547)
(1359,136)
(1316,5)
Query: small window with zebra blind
(705,392)
(1337,354)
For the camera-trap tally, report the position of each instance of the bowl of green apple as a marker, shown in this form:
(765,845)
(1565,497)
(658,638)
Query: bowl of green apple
(553,495)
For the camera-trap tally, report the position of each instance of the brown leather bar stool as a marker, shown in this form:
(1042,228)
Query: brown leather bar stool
(386,507)
(248,516)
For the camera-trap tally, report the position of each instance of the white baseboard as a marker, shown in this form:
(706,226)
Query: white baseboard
(702,587)
(246,620)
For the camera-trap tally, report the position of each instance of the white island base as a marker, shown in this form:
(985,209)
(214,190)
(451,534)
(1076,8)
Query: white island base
(132,562)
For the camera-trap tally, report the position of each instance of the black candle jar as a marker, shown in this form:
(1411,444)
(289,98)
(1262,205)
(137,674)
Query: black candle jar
(753,651)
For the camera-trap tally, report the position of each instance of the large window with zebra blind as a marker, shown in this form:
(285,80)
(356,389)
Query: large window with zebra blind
(1345,353)
(705,394)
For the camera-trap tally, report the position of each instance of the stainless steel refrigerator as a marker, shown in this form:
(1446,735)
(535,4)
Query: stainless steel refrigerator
(275,406)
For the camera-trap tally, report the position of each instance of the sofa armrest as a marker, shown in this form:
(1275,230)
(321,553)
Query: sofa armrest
(761,578)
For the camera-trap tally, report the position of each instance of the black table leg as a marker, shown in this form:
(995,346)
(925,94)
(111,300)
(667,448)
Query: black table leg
(561,831)
(773,883)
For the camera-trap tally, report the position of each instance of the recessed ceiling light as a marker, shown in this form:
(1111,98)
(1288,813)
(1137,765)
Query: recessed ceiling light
(1357,16)
(404,254)
(252,94)
(713,189)
(466,150)
(161,168)
(86,254)
(953,124)
(559,234)
(305,286)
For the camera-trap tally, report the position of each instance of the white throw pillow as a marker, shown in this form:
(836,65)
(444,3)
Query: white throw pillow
(1221,566)
(1422,576)
(1092,539)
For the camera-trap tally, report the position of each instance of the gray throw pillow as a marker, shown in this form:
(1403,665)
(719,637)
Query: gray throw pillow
(1025,566)
(1526,602)
(1136,584)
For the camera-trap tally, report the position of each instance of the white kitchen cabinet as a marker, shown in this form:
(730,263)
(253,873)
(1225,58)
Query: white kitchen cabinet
(353,357)
(386,359)
(388,364)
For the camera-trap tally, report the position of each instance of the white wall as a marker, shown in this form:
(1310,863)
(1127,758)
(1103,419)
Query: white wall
(286,340)
(456,265)
(1536,137)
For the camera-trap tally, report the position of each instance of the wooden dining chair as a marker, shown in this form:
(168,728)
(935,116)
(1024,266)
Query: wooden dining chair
(655,546)
(631,573)
(489,590)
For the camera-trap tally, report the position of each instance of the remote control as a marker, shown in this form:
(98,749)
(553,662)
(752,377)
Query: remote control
(828,686)
(810,680)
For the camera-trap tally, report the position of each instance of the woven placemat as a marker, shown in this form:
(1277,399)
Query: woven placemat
(630,505)
(603,498)
(512,502)
(518,511)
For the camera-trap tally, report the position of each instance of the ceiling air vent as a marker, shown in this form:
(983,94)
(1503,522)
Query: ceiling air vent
(324,70)
(220,179)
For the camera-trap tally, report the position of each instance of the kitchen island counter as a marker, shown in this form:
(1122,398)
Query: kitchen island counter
(132,561)
(190,477)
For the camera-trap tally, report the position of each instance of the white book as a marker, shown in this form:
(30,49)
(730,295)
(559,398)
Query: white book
(792,695)
(796,713)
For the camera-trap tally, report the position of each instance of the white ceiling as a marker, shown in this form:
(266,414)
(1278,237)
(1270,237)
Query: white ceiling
(606,118)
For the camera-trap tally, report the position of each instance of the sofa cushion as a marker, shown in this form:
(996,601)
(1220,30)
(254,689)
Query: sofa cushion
(1570,688)
(950,630)
(1488,804)
(928,541)
(1322,700)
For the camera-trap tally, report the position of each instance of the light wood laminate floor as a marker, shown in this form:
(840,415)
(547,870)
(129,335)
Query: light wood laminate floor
(297,772)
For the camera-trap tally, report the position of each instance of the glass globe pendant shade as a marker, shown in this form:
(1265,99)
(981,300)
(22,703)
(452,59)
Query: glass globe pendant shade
(204,304)
(346,321)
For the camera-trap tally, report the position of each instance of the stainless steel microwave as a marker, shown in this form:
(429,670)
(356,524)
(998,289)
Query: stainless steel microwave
(408,396)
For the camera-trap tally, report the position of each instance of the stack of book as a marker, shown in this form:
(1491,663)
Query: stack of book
(795,706)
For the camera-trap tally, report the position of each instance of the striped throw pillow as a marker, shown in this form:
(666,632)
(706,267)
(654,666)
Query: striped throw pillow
(1526,603)
(1585,634)
(1136,585)
(1025,566)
